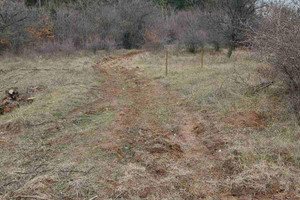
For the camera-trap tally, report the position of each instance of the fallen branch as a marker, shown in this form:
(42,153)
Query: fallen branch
(78,171)
(262,86)
(95,197)
(120,194)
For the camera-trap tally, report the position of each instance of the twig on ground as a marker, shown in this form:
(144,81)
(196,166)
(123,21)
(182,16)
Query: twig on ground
(120,194)
(78,171)
(90,170)
(262,86)
(95,197)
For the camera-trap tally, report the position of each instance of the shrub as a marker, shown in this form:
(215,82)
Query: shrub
(228,17)
(105,19)
(69,23)
(278,40)
(135,18)
(15,19)
(188,27)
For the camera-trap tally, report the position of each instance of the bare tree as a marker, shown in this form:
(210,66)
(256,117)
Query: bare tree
(228,17)
(189,29)
(15,18)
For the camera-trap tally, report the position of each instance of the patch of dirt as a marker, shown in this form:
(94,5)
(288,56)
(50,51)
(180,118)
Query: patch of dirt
(231,167)
(199,129)
(214,144)
(246,119)
(8,132)
(10,128)
(273,188)
(143,138)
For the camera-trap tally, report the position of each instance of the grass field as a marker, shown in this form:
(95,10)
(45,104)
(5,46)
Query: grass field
(262,134)
(112,126)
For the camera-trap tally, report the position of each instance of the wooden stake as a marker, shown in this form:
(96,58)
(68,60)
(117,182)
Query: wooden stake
(202,58)
(166,62)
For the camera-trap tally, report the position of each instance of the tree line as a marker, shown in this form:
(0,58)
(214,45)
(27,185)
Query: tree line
(192,23)
(177,4)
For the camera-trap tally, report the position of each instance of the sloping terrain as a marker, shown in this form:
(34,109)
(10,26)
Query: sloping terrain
(125,136)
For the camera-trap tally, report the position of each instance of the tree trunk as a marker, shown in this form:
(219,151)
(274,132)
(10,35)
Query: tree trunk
(216,46)
(230,50)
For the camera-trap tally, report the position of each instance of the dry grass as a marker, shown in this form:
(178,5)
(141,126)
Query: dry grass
(37,140)
(262,136)
(120,135)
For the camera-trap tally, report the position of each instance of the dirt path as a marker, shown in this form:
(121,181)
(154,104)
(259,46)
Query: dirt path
(166,147)
(133,139)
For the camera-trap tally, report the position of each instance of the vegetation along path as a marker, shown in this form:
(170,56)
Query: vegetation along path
(135,140)
(167,149)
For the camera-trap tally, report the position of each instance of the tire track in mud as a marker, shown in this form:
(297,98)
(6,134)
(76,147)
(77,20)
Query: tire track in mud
(161,143)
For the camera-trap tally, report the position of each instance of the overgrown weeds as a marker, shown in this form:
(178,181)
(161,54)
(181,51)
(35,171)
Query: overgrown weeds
(262,153)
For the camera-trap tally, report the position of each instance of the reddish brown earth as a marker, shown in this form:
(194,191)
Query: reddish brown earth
(175,150)
(246,119)
(182,152)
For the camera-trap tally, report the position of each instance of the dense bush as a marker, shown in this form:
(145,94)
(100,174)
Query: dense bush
(188,28)
(136,16)
(228,18)
(72,24)
(15,21)
(278,40)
